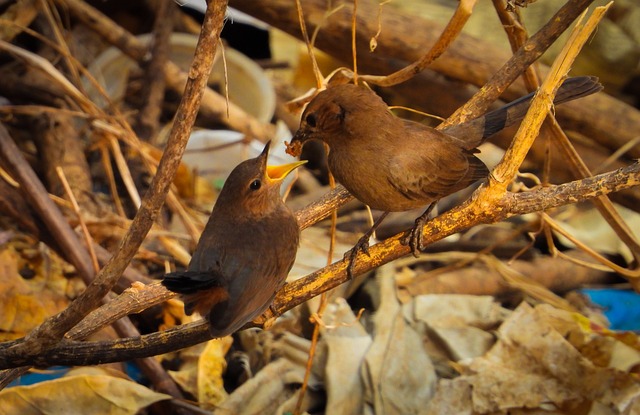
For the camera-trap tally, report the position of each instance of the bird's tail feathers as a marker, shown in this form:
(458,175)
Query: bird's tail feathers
(190,282)
(476,131)
(200,291)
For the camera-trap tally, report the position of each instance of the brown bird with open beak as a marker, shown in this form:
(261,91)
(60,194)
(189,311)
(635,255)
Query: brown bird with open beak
(245,252)
(392,164)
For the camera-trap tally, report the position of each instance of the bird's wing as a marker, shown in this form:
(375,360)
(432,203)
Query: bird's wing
(477,170)
(430,171)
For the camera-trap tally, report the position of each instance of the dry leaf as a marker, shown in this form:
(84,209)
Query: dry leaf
(455,310)
(535,366)
(346,343)
(265,392)
(398,374)
(187,375)
(211,367)
(463,342)
(96,394)
(26,302)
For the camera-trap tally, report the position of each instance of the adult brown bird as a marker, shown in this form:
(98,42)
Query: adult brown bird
(392,164)
(246,249)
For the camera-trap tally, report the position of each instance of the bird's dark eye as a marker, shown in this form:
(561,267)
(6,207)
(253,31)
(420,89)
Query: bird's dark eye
(311,120)
(255,185)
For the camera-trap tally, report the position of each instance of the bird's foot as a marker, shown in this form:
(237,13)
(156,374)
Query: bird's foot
(361,245)
(415,236)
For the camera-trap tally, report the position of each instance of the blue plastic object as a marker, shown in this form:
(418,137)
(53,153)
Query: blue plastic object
(621,307)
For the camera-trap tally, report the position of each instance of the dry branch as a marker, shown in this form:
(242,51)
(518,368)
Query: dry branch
(404,40)
(147,121)
(485,207)
(214,105)
(52,330)
(471,213)
(38,197)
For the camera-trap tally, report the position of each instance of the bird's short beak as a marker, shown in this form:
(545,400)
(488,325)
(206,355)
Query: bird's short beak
(300,136)
(278,173)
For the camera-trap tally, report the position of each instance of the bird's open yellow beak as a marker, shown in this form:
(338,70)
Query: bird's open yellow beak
(278,173)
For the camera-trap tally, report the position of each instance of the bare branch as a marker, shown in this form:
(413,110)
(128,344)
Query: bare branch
(475,211)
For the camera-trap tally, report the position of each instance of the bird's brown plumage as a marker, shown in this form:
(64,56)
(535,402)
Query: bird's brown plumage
(388,163)
(245,252)
(393,164)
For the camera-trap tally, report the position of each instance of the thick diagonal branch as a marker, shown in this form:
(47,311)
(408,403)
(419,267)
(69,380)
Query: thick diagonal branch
(52,330)
(475,211)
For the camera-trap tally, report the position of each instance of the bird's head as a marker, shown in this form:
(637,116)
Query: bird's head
(253,187)
(333,115)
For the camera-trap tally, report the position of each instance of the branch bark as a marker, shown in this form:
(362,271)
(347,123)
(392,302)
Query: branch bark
(484,207)
(52,330)
(405,38)
(475,211)
(214,105)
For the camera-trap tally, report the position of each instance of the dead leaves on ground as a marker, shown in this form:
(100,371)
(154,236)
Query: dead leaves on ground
(32,286)
(81,393)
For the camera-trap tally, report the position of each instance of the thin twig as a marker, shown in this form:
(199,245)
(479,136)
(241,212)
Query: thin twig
(317,316)
(449,34)
(307,42)
(76,209)
(354,50)
(523,58)
(49,332)
(465,216)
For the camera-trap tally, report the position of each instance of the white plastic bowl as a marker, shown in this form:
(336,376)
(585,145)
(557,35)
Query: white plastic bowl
(249,87)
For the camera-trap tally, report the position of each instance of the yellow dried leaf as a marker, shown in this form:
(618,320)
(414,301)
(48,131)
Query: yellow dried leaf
(211,366)
(25,303)
(79,395)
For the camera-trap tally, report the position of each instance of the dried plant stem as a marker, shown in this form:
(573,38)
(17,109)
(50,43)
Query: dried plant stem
(123,167)
(592,253)
(450,33)
(517,37)
(354,50)
(83,225)
(52,330)
(465,216)
(317,316)
(21,14)
(504,172)
(307,42)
